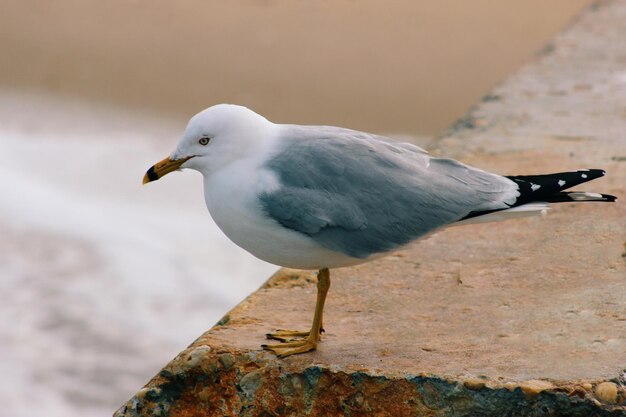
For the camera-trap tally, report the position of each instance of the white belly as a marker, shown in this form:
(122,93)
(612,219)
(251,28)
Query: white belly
(231,197)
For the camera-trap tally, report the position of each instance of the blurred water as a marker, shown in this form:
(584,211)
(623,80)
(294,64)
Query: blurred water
(102,281)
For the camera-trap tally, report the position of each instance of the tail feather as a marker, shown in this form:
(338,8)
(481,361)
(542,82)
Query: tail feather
(568,196)
(525,210)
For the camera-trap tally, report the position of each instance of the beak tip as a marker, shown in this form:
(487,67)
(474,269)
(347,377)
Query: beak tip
(162,168)
(150,176)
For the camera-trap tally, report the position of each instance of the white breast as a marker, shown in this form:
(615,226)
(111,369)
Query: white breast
(231,197)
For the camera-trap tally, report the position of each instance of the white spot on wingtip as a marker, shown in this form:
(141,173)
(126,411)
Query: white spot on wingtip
(561,183)
(534,187)
(584,175)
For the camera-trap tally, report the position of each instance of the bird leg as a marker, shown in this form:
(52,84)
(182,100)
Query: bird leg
(309,339)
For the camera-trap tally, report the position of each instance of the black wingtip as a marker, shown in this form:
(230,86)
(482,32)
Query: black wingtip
(550,187)
(591,174)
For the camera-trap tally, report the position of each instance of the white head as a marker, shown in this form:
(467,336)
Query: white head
(213,138)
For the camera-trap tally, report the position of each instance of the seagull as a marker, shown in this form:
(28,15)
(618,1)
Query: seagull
(323,197)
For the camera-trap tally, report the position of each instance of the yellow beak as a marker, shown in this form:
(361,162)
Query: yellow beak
(162,168)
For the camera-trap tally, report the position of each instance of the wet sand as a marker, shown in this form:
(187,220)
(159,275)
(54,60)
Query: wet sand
(400,66)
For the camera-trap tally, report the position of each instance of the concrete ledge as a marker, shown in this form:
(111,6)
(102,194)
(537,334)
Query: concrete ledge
(203,382)
(522,318)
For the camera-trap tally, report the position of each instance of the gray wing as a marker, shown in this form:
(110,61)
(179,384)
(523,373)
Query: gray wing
(361,194)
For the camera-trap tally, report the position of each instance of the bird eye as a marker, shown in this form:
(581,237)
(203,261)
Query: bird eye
(204,140)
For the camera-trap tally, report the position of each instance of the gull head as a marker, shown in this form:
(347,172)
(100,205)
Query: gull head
(213,138)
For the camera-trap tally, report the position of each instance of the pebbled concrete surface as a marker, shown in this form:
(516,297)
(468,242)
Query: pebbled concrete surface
(521,318)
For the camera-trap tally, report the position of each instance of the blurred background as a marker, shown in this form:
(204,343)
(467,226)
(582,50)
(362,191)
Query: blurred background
(104,281)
